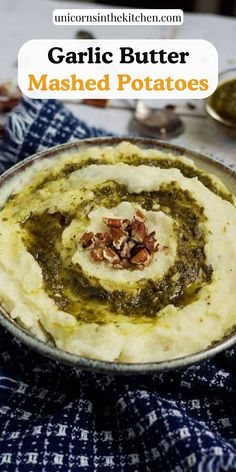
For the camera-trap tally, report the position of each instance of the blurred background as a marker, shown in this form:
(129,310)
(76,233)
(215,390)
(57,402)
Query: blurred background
(221,7)
(198,128)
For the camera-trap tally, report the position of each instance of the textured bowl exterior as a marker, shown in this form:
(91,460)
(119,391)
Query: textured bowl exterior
(227,175)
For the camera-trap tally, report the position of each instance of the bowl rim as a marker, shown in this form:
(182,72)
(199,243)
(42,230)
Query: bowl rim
(85,363)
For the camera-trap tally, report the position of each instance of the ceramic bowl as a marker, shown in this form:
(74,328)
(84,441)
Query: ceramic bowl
(228,176)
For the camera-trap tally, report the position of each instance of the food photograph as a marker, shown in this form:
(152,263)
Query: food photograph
(117,239)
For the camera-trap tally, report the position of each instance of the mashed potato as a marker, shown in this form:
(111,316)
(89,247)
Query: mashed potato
(179,304)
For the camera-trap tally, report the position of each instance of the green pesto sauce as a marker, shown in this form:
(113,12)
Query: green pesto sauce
(163,163)
(80,295)
(223,100)
(186,170)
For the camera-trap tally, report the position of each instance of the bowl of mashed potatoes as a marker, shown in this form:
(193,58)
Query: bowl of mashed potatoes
(119,255)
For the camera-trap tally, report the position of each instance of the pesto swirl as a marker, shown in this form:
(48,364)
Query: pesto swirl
(79,294)
(136,160)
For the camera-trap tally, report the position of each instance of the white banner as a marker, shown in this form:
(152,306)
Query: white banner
(76,69)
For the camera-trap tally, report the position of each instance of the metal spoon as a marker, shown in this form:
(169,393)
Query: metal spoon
(161,124)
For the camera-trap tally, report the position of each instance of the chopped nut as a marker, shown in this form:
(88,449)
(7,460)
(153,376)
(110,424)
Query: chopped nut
(87,240)
(142,257)
(126,245)
(136,249)
(125,251)
(138,231)
(119,236)
(125,223)
(131,244)
(139,215)
(97,254)
(116,222)
(100,236)
(110,255)
(112,222)
(151,243)
(101,239)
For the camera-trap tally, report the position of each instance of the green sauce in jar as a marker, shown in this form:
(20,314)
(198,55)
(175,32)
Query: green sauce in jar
(223,101)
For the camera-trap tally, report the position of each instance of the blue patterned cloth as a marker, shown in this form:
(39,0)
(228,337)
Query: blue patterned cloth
(58,419)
